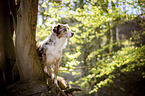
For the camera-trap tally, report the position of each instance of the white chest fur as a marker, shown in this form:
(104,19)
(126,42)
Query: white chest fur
(53,47)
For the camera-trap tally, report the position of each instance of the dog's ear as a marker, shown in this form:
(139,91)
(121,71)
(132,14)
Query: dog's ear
(56,29)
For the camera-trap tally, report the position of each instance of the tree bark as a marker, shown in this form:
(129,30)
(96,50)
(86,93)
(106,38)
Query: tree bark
(28,63)
(7,54)
(114,48)
(2,54)
(108,35)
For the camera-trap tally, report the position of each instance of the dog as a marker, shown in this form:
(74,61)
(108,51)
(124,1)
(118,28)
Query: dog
(50,50)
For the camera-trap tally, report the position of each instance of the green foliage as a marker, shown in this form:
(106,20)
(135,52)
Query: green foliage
(126,59)
(103,45)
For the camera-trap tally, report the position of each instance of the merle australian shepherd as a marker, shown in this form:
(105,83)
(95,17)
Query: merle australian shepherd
(50,49)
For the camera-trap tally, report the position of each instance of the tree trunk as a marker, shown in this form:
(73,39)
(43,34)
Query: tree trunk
(7,54)
(114,38)
(108,35)
(28,63)
(2,54)
(27,60)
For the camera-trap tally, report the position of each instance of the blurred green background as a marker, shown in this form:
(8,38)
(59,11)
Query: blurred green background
(106,56)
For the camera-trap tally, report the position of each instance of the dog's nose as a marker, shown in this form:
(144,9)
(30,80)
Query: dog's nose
(72,34)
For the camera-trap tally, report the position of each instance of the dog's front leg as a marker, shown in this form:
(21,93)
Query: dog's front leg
(49,71)
(56,72)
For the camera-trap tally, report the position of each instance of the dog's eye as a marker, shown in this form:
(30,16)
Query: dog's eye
(46,43)
(65,29)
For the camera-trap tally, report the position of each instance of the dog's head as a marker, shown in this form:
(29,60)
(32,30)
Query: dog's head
(62,30)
